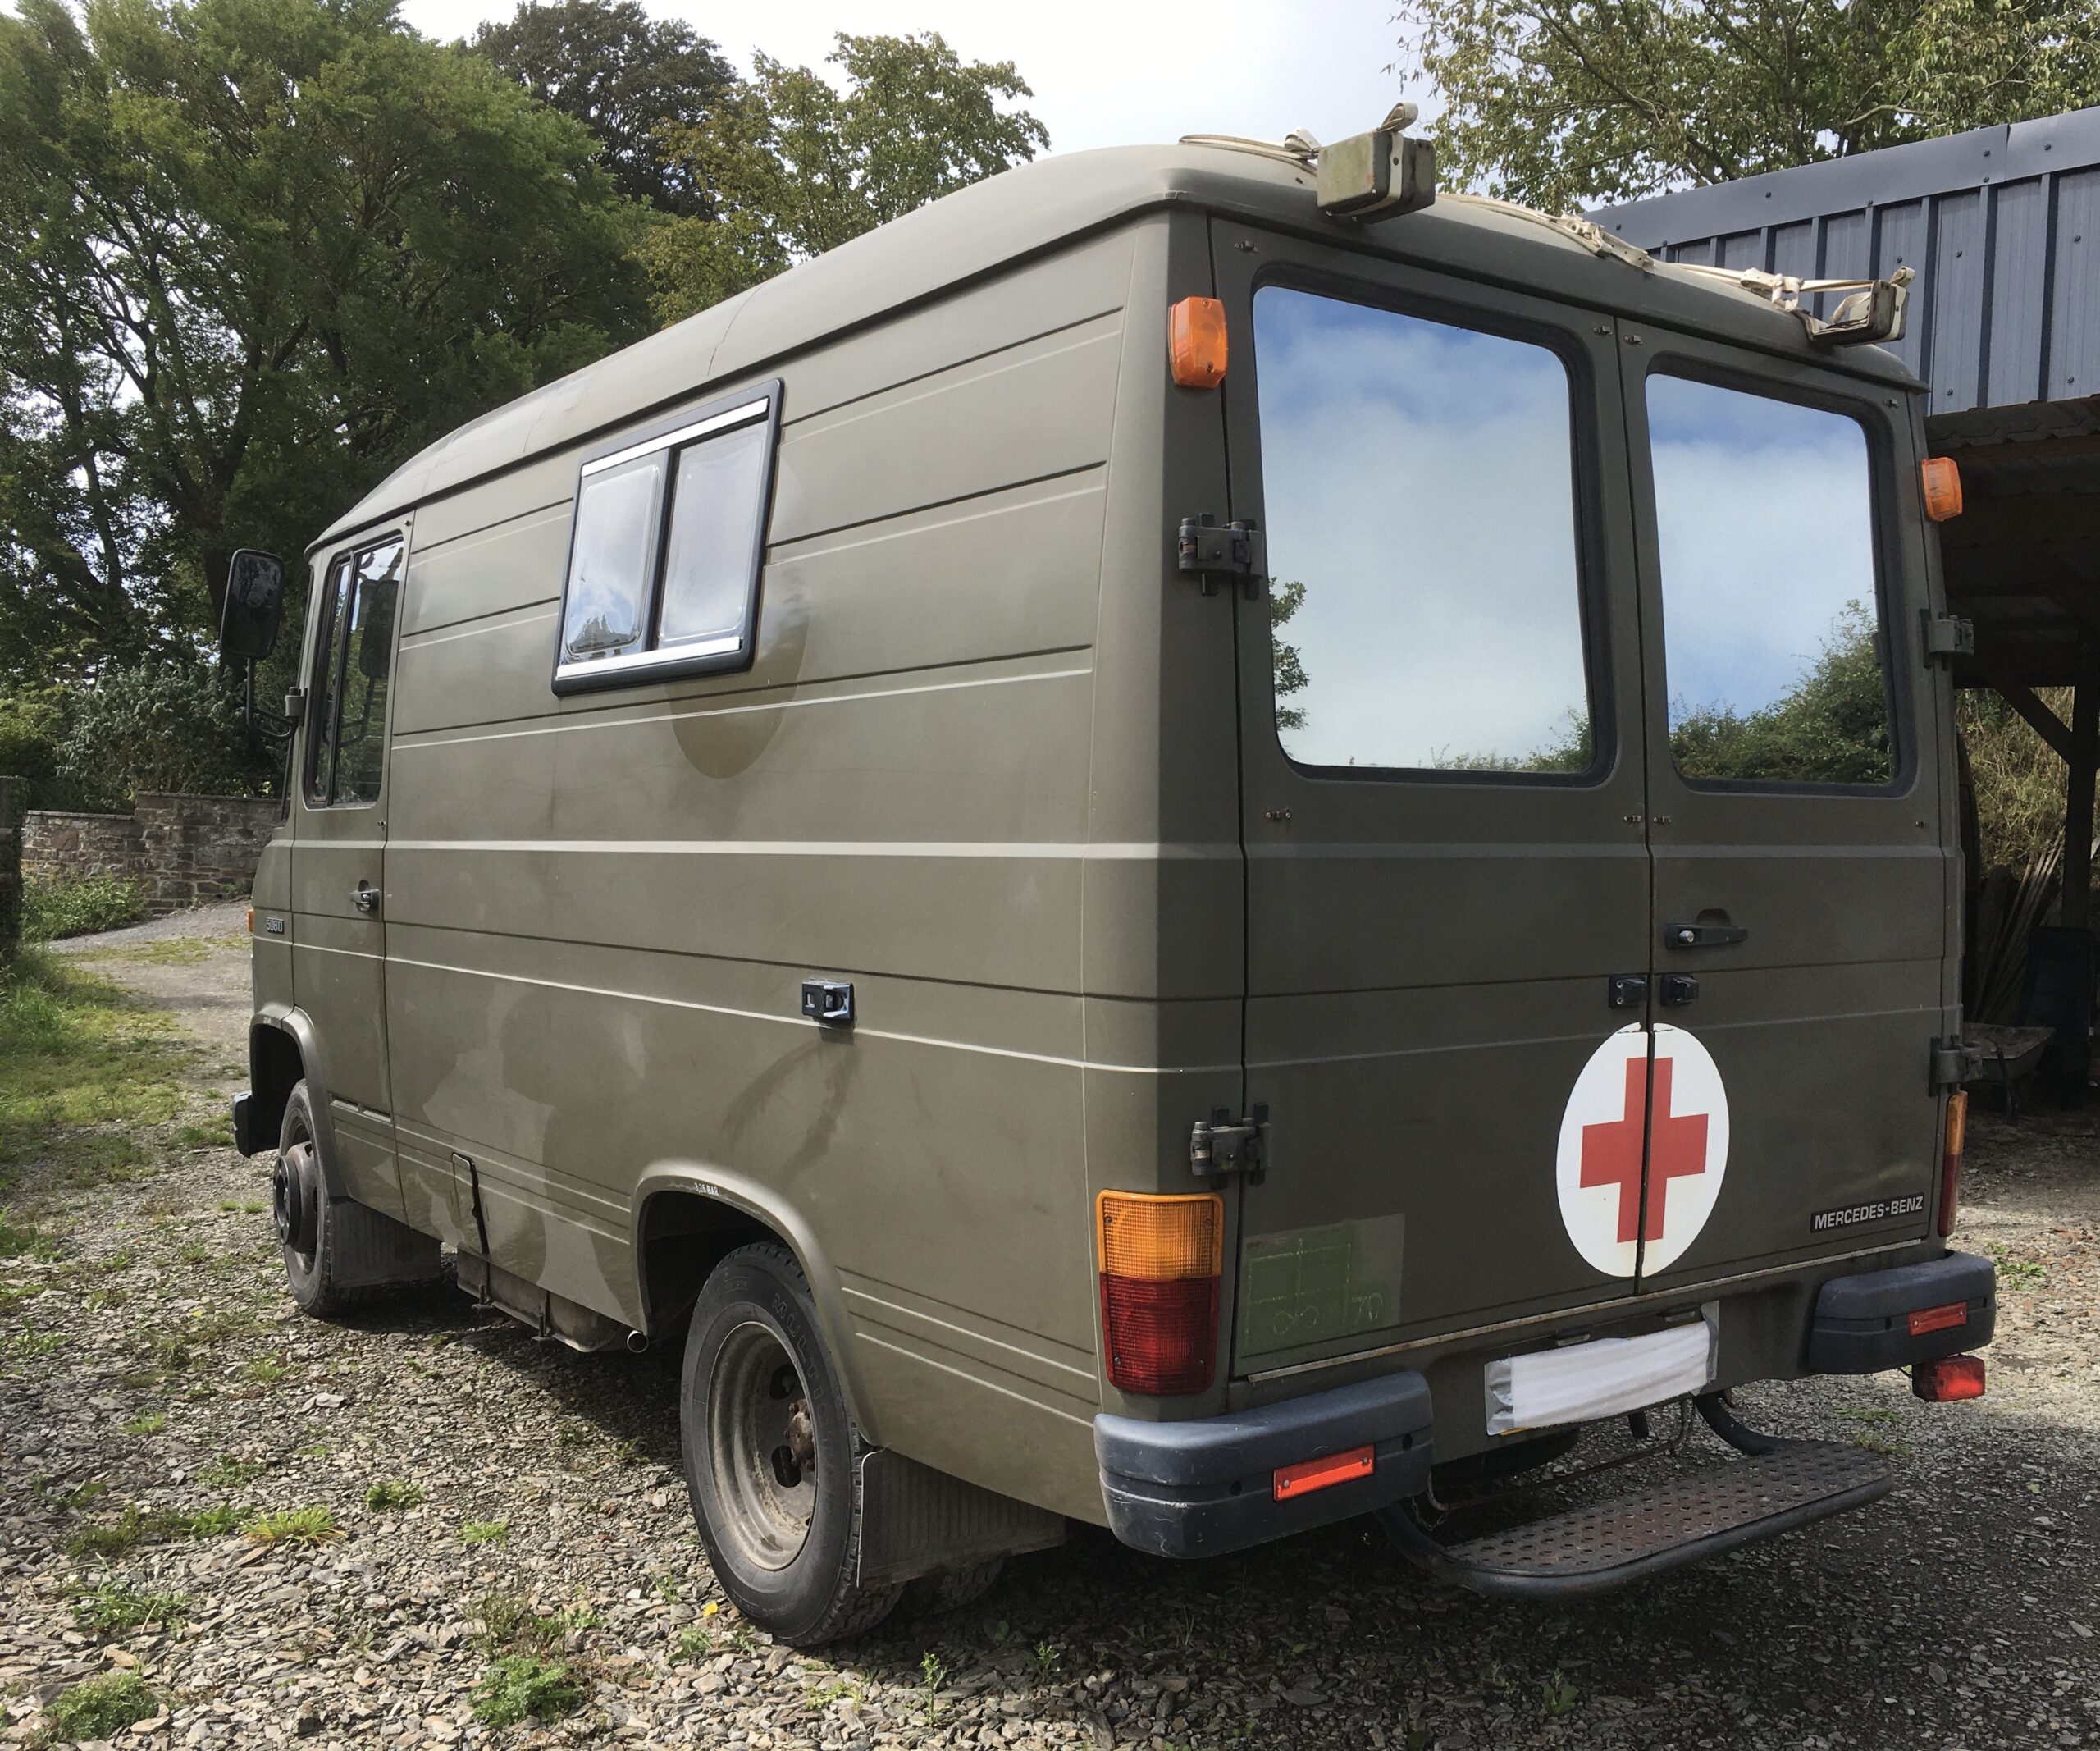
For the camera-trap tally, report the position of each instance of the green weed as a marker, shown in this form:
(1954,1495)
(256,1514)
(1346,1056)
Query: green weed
(518,1684)
(113,1610)
(266,1369)
(148,1423)
(98,1707)
(484,1531)
(693,1643)
(1558,1696)
(389,1493)
(79,905)
(933,1672)
(307,1525)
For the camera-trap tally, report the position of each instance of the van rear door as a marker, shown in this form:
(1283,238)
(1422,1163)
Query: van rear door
(1798,743)
(1442,780)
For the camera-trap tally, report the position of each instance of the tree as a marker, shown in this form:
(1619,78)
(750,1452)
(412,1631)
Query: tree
(795,167)
(624,77)
(1564,102)
(254,254)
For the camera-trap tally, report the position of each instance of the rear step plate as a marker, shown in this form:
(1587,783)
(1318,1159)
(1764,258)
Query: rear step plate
(1700,1514)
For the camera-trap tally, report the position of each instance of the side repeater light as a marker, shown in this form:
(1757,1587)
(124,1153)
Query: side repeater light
(1948,1378)
(1195,336)
(1159,1259)
(1942,484)
(1949,1160)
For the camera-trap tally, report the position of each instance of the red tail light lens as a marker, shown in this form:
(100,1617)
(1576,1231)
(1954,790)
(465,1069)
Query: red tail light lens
(1159,1259)
(1948,1378)
(1950,1160)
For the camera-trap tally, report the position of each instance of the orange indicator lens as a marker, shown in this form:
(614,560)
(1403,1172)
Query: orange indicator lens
(1942,484)
(1195,333)
(1160,1260)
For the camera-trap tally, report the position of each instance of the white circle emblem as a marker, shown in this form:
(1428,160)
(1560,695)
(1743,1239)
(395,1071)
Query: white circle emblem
(1604,1146)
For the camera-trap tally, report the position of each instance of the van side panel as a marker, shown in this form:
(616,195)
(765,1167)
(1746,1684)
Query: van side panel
(601,908)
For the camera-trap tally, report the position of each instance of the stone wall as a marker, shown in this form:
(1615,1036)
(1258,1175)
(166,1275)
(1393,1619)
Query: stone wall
(178,850)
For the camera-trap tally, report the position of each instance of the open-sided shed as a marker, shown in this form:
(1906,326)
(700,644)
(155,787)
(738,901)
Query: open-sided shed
(2002,227)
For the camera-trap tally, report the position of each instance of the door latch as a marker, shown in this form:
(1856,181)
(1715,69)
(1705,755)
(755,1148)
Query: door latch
(1629,990)
(1211,552)
(1678,989)
(367,898)
(1226,1144)
(828,1002)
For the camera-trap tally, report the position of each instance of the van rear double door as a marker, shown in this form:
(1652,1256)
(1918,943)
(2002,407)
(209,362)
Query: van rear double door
(1466,826)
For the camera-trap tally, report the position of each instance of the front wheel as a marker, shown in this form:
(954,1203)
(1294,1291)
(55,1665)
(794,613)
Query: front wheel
(772,1457)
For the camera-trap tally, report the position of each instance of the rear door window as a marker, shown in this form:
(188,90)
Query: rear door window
(1773,641)
(1419,483)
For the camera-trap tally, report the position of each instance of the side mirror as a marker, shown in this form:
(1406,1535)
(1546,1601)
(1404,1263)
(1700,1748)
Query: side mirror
(254,604)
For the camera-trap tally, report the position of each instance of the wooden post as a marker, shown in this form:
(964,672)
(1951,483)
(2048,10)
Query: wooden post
(2083,758)
(13,793)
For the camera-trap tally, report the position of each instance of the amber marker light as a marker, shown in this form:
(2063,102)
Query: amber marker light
(1159,1259)
(1195,333)
(251,921)
(1949,1160)
(1942,484)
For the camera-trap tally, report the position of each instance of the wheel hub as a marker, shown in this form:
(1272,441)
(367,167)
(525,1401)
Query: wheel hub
(294,1212)
(762,1445)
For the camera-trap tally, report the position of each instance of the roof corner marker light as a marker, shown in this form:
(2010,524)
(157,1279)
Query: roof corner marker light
(1160,1257)
(1948,1380)
(1949,1160)
(1196,342)
(1943,485)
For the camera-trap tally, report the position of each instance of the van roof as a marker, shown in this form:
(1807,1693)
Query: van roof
(1031,210)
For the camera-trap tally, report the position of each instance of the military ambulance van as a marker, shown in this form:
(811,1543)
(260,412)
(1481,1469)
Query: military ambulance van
(1198,842)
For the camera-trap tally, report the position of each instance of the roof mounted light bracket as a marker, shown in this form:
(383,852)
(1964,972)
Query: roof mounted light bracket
(1377,175)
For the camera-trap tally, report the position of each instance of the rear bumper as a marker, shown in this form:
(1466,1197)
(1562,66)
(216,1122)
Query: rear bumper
(1863,1324)
(1202,1488)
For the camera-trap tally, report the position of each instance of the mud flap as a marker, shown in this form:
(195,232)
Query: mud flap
(915,1520)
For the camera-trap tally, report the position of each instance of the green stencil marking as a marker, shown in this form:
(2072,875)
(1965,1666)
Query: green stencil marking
(1309,1286)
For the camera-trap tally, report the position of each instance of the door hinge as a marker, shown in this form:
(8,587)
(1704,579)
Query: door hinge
(1210,551)
(1628,991)
(1226,1144)
(1954,1063)
(1947,636)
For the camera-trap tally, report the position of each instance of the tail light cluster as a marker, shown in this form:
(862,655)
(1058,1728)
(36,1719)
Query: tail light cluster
(1949,1160)
(1159,1259)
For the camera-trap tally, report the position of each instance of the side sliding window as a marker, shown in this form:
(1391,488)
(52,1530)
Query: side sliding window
(666,547)
(354,664)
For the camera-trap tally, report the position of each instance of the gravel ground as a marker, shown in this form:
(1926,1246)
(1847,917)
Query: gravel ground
(1961,1611)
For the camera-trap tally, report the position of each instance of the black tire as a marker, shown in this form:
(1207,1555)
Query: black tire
(772,1456)
(338,1254)
(951,1590)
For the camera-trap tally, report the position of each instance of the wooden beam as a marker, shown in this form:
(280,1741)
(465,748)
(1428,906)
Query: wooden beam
(2021,698)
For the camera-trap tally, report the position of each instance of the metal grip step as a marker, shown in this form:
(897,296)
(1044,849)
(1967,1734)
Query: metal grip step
(1697,1514)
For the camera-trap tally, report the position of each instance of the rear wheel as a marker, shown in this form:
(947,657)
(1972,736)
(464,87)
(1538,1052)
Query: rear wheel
(772,1456)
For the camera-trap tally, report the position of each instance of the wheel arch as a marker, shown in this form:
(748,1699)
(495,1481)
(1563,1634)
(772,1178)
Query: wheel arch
(283,1050)
(688,1218)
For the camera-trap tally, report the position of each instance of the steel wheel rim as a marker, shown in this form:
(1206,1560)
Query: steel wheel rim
(761,1446)
(297,1160)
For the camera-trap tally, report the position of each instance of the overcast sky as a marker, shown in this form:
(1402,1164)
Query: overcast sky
(1105,72)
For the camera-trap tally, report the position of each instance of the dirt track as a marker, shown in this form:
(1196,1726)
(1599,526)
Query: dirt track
(1964,1610)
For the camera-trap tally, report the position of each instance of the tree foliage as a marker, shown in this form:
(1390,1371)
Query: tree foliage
(253,253)
(624,76)
(1563,103)
(794,167)
(165,725)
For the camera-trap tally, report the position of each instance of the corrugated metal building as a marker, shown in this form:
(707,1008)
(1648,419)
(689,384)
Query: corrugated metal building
(2002,226)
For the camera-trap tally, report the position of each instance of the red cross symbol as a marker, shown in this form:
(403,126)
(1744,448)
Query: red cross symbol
(1611,1152)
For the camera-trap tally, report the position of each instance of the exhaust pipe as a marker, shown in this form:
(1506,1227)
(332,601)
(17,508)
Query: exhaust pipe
(637,1343)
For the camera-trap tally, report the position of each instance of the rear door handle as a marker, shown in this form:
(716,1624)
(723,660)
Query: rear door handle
(366,898)
(1704,935)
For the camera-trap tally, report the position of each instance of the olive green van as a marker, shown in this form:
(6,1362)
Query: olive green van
(1198,842)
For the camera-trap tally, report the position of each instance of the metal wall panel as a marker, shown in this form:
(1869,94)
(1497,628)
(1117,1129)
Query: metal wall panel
(2001,225)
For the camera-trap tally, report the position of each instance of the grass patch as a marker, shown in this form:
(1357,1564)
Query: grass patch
(98,1707)
(266,1369)
(136,1525)
(484,1531)
(148,1423)
(2017,1273)
(389,1493)
(171,951)
(519,1685)
(694,1644)
(79,905)
(226,1472)
(77,1063)
(308,1525)
(112,1610)
(198,1135)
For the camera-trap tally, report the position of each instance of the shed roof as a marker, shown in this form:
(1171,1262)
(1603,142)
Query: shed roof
(990,225)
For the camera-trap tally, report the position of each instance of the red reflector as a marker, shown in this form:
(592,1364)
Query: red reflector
(1302,1479)
(1939,1318)
(1948,1378)
(1162,1337)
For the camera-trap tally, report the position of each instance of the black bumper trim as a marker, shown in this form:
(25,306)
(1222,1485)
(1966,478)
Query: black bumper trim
(1203,1486)
(1861,1323)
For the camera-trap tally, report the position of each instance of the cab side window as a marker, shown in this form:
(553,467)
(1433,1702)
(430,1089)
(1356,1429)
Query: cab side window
(346,735)
(1418,480)
(665,555)
(1773,649)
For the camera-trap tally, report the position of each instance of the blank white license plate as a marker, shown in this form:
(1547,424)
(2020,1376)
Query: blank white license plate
(1606,1377)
